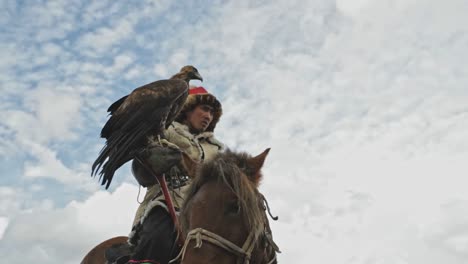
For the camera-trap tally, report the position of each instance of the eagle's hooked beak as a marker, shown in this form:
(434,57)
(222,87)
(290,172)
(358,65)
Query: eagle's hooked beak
(197,76)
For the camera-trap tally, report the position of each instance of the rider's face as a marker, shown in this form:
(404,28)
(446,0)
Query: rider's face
(200,118)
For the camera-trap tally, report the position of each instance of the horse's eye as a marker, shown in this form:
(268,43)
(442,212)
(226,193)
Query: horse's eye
(232,208)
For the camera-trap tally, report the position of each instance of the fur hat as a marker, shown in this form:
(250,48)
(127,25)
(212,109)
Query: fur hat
(198,96)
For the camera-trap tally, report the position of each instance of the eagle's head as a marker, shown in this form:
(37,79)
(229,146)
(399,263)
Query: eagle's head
(188,73)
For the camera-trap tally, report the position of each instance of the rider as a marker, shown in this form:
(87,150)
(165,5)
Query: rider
(153,236)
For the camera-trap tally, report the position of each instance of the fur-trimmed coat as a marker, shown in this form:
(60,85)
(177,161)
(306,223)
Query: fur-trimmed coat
(200,147)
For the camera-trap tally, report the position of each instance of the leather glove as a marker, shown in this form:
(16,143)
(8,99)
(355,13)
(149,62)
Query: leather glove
(160,159)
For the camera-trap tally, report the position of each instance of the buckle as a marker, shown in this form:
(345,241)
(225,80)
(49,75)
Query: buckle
(178,181)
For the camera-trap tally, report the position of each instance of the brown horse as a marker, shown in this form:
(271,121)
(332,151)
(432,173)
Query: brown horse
(224,216)
(97,254)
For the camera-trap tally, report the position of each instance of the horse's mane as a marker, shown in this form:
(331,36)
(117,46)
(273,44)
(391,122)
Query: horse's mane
(232,169)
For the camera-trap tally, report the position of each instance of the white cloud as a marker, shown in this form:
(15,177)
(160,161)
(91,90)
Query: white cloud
(66,235)
(161,70)
(3,226)
(134,72)
(121,62)
(178,59)
(353,8)
(10,201)
(57,111)
(52,49)
(47,164)
(104,38)
(48,114)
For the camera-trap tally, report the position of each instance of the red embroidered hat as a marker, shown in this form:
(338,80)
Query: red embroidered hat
(197,90)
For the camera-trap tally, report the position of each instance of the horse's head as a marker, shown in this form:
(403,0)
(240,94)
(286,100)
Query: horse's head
(224,214)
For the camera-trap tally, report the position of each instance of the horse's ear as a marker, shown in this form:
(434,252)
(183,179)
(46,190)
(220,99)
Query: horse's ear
(189,164)
(256,164)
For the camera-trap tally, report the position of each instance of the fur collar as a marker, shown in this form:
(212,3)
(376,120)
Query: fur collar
(208,136)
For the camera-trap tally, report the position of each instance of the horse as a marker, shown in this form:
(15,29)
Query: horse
(224,215)
(97,254)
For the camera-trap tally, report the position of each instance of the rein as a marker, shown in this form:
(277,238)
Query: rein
(243,253)
(200,235)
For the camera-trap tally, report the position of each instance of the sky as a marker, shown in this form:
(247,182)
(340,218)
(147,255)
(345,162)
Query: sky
(364,104)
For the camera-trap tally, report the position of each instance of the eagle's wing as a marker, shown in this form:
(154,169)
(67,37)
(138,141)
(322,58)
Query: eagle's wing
(176,107)
(114,106)
(142,101)
(143,113)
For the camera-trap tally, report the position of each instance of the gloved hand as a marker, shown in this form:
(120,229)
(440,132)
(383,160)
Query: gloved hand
(160,159)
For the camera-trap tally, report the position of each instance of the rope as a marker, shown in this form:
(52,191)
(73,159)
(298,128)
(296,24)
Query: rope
(268,208)
(200,235)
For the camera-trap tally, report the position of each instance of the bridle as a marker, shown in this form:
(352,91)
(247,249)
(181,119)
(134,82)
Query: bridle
(243,253)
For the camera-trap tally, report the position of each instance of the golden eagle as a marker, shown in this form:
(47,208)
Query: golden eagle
(137,117)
